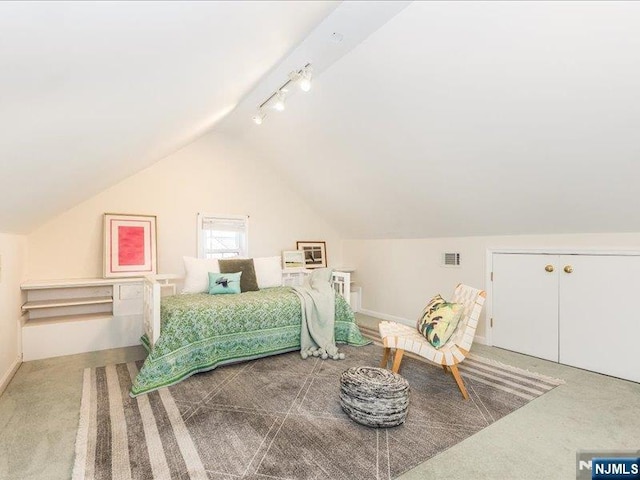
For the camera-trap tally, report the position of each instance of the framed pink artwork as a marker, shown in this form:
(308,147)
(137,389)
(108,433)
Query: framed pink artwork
(129,245)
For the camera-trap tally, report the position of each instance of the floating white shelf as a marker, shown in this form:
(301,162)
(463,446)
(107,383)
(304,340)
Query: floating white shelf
(36,322)
(65,302)
(68,316)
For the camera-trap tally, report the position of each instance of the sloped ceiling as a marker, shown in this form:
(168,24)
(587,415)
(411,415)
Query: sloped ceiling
(91,92)
(433,119)
(471,118)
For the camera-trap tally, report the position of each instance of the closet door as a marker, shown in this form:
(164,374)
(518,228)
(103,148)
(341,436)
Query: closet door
(600,314)
(525,304)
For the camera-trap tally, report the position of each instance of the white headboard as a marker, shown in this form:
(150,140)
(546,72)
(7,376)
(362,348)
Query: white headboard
(342,284)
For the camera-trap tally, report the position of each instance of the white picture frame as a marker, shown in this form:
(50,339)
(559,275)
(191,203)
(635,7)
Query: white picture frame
(129,245)
(292,260)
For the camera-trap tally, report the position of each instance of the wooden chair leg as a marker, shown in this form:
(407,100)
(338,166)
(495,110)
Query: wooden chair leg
(385,358)
(397,358)
(456,375)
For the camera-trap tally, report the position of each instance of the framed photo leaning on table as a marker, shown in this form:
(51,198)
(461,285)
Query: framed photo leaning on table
(315,254)
(129,245)
(292,260)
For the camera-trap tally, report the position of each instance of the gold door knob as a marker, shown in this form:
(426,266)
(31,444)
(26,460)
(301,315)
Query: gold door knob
(568,269)
(549,268)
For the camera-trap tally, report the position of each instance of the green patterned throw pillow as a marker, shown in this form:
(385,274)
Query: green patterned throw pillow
(221,283)
(439,320)
(431,307)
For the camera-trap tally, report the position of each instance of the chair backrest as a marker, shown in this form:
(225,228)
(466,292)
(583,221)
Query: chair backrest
(473,300)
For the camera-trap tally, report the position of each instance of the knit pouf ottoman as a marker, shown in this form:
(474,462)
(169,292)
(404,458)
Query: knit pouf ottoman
(374,397)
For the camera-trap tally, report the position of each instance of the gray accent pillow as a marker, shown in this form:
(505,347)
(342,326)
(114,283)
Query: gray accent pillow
(248,281)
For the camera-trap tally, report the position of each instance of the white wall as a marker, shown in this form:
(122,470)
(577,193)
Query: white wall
(398,277)
(12,268)
(212,175)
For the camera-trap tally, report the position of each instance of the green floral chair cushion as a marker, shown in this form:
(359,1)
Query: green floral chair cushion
(439,320)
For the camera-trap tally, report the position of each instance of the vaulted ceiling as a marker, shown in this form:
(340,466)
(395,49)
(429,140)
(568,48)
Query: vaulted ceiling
(432,119)
(91,92)
(473,118)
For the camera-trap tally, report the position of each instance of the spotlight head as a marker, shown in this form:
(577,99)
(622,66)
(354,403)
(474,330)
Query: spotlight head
(305,84)
(305,79)
(279,103)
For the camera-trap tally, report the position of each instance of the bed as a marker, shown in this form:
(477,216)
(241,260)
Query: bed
(191,333)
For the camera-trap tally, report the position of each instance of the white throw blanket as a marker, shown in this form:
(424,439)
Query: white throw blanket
(317,298)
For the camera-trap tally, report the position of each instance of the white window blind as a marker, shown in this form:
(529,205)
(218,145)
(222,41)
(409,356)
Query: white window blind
(222,236)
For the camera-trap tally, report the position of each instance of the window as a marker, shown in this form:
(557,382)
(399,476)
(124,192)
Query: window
(222,236)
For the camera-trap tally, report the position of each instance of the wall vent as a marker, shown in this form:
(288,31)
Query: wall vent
(451,260)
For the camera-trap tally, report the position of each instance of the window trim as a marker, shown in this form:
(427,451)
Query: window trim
(244,249)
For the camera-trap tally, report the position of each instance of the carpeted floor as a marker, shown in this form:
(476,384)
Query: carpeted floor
(280,418)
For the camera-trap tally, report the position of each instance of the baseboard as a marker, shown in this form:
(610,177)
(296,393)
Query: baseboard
(386,316)
(481,340)
(412,323)
(4,381)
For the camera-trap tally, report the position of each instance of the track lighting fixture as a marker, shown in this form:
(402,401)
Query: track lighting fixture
(276,100)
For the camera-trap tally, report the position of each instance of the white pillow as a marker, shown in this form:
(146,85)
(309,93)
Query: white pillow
(197,273)
(268,271)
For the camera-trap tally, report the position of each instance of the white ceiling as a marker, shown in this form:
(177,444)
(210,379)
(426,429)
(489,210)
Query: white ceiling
(471,118)
(91,92)
(438,119)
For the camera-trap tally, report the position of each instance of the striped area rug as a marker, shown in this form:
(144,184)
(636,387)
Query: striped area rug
(522,383)
(280,418)
(147,439)
(516,381)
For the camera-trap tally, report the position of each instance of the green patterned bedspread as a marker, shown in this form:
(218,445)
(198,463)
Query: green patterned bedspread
(200,332)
